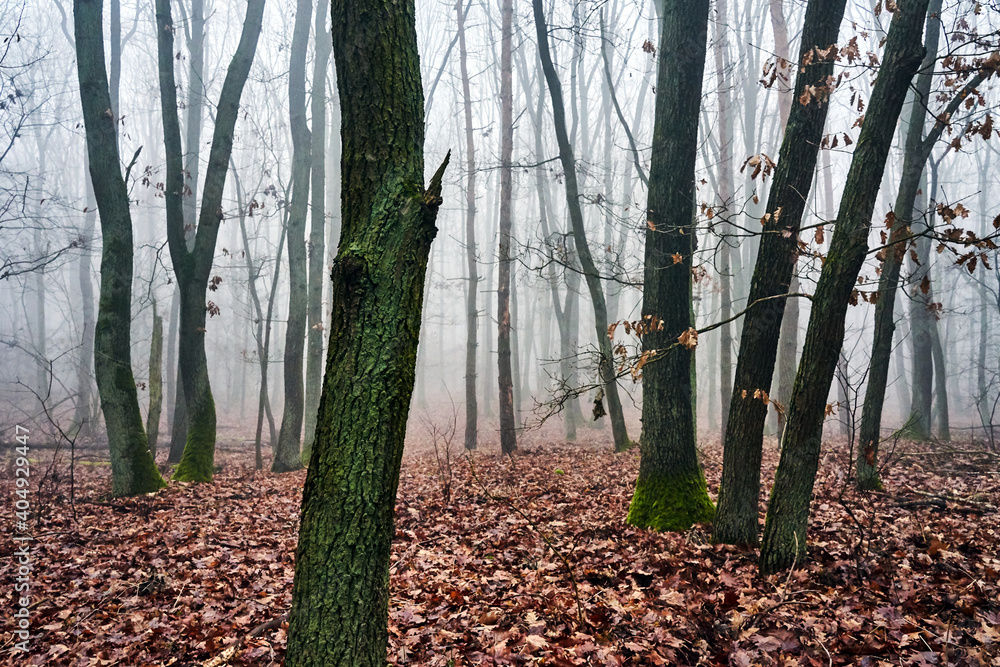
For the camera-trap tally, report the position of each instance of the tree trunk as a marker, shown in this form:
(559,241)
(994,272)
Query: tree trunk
(315,319)
(193,267)
(83,414)
(940,384)
(736,519)
(133,470)
(288,456)
(670,493)
(508,428)
(591,274)
(724,209)
(176,407)
(788,512)
(340,596)
(155,383)
(472,295)
(914,158)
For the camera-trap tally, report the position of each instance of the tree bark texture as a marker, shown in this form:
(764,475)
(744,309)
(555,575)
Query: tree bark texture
(288,455)
(787,519)
(340,597)
(133,470)
(193,266)
(736,518)
(670,493)
(590,271)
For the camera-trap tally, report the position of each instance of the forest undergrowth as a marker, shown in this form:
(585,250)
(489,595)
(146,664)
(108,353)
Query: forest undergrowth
(524,560)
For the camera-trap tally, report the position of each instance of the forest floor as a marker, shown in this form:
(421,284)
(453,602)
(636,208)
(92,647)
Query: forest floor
(529,561)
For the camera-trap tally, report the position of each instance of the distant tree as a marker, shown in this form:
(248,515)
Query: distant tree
(340,597)
(670,492)
(193,266)
(471,309)
(287,455)
(583,253)
(508,432)
(788,511)
(736,517)
(315,317)
(133,470)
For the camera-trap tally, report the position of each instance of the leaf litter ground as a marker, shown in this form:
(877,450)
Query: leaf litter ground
(529,562)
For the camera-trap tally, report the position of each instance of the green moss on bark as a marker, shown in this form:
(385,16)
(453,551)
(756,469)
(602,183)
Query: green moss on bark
(670,502)
(197,462)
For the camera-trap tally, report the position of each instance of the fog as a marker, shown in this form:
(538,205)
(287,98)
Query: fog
(50,255)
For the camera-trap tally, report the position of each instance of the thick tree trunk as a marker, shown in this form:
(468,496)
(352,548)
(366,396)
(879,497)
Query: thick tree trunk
(288,456)
(472,286)
(155,383)
(736,518)
(133,470)
(788,512)
(670,493)
(340,597)
(508,427)
(590,272)
(315,319)
(193,267)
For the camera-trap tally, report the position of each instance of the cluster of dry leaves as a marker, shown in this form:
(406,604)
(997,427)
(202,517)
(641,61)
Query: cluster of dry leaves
(531,562)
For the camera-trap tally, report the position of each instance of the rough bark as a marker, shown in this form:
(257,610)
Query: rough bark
(787,519)
(590,272)
(670,492)
(288,455)
(472,286)
(340,596)
(133,470)
(317,230)
(736,518)
(508,427)
(193,267)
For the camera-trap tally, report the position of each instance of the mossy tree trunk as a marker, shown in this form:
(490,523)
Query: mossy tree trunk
(670,493)
(288,456)
(133,470)
(193,266)
(472,287)
(589,268)
(340,597)
(787,520)
(155,383)
(317,230)
(736,518)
